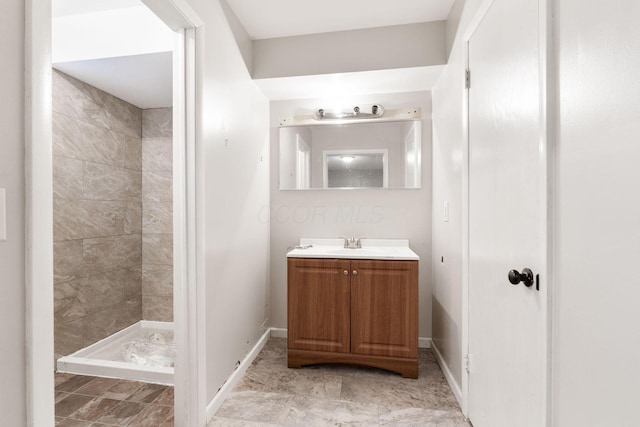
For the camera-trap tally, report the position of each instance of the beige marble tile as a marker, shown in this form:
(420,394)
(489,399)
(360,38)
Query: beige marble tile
(157,154)
(132,190)
(103,182)
(403,416)
(133,218)
(437,395)
(123,118)
(157,217)
(83,101)
(111,319)
(157,249)
(256,406)
(68,337)
(67,178)
(67,260)
(157,280)
(389,391)
(157,186)
(298,382)
(78,99)
(157,123)
(67,302)
(77,219)
(132,310)
(77,139)
(110,253)
(100,290)
(231,422)
(132,279)
(321,412)
(133,153)
(158,308)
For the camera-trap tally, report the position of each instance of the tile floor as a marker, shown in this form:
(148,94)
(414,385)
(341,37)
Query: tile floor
(84,401)
(272,394)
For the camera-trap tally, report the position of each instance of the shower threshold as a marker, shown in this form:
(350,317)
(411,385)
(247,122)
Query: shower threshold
(144,351)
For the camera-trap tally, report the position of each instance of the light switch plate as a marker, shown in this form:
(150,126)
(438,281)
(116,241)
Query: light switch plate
(445,212)
(3,215)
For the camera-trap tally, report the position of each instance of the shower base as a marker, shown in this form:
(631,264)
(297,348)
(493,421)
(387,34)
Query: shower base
(145,351)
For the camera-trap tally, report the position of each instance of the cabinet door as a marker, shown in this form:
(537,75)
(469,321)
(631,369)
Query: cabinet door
(384,308)
(318,304)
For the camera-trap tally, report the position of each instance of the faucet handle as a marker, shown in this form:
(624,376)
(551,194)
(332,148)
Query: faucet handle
(359,242)
(346,241)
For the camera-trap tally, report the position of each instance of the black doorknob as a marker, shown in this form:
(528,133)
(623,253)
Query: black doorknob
(525,277)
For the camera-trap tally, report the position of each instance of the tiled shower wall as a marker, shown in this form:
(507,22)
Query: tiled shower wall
(157,216)
(113,236)
(97,190)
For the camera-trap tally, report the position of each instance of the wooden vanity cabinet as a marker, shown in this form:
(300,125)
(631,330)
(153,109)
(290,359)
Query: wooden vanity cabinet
(353,311)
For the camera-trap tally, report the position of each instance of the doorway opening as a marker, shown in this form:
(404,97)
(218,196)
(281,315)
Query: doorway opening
(98,164)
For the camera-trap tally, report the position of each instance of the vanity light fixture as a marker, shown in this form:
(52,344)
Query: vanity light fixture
(374,111)
(347,159)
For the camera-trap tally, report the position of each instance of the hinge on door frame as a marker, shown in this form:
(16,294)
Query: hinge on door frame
(467,363)
(467,78)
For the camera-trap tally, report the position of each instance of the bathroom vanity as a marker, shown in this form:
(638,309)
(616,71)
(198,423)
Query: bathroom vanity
(354,306)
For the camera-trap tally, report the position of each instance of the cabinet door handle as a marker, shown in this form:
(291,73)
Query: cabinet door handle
(354,272)
(345,272)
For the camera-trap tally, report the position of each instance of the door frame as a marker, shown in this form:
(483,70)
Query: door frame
(545,162)
(189,313)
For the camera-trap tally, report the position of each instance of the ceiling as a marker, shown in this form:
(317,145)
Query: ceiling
(61,8)
(127,77)
(280,18)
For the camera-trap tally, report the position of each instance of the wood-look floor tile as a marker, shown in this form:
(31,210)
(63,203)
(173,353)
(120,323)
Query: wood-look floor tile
(166,398)
(152,416)
(122,390)
(94,409)
(61,377)
(61,395)
(68,422)
(122,414)
(97,386)
(73,383)
(71,403)
(147,393)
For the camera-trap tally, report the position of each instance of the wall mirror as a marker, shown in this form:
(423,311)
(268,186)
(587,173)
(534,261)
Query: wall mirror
(355,155)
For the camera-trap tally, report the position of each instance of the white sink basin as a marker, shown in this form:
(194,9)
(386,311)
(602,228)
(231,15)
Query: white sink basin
(392,249)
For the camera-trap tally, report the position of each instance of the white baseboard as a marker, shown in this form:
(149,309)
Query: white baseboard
(235,377)
(424,342)
(455,387)
(279,332)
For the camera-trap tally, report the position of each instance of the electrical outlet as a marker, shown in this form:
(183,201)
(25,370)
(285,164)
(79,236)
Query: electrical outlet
(3,215)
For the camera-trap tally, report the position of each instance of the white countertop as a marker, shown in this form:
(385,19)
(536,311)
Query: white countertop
(390,249)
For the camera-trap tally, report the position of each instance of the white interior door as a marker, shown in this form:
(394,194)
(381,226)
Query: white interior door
(507,219)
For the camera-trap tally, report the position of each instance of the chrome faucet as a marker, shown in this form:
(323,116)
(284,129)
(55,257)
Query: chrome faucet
(352,243)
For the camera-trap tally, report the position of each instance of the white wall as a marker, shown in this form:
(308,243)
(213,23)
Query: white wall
(233,186)
(596,337)
(91,35)
(331,213)
(12,279)
(397,46)
(448,140)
